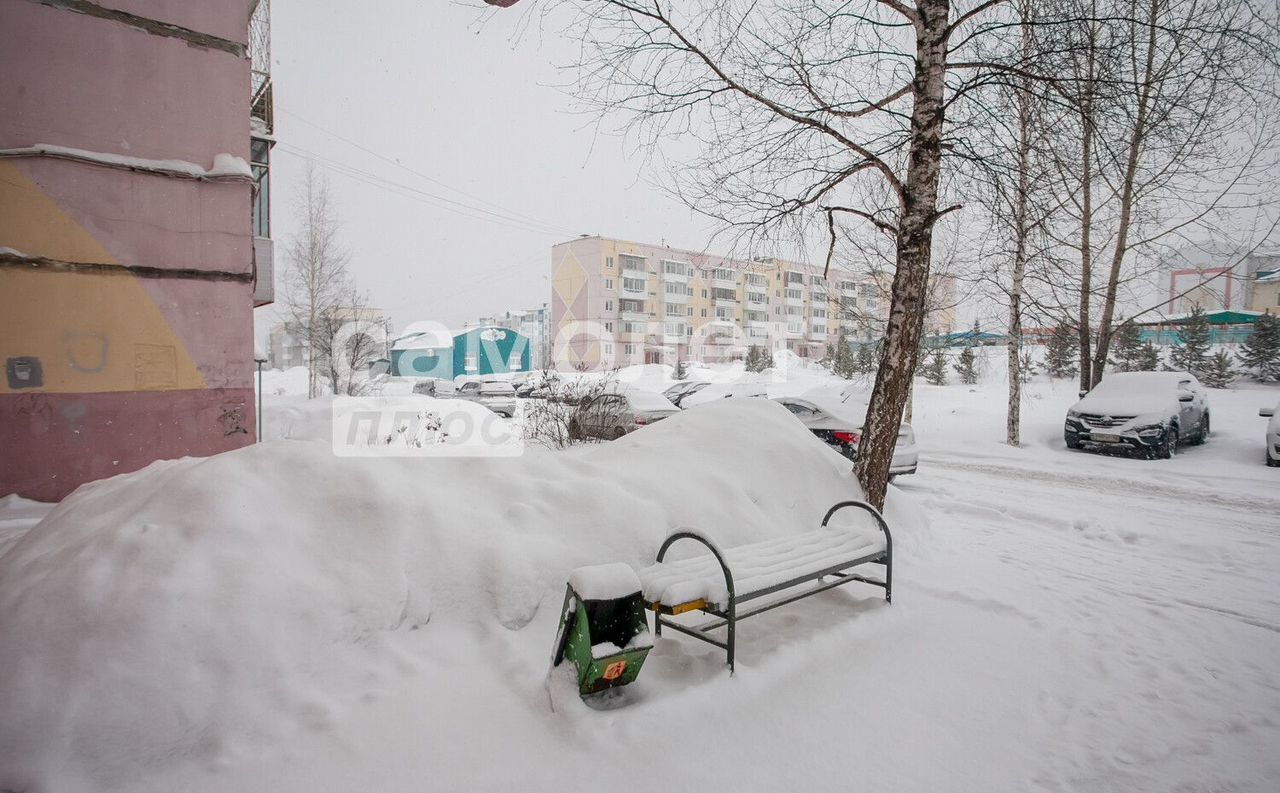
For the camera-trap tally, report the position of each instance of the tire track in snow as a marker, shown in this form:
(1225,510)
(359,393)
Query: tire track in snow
(1240,502)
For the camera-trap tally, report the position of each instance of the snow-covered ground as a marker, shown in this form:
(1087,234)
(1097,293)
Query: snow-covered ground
(279,619)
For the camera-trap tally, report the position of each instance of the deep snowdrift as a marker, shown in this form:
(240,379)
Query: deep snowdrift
(197,607)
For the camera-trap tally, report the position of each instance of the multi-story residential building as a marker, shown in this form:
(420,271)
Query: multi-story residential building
(534,324)
(616,302)
(134,234)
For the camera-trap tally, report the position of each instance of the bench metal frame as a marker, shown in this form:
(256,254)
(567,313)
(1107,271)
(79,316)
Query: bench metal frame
(730,616)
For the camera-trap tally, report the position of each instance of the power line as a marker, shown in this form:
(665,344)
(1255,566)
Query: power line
(398,164)
(438,201)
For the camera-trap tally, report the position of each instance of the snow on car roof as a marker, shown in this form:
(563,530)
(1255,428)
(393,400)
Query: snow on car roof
(1118,383)
(647,400)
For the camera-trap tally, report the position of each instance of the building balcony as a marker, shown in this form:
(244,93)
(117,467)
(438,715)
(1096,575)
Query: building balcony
(795,301)
(634,316)
(818,335)
(725,283)
(637,292)
(682,297)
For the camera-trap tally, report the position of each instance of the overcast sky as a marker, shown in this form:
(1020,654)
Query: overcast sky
(458,102)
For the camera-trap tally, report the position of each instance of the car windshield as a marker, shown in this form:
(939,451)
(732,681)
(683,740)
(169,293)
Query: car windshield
(497,389)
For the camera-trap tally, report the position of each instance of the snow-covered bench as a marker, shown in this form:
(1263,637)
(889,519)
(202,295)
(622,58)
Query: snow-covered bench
(719,582)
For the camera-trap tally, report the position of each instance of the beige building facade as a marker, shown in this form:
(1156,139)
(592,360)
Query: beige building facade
(616,303)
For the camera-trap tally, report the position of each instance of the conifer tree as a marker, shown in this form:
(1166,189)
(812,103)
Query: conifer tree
(1191,354)
(966,367)
(1126,348)
(935,371)
(1218,372)
(1061,352)
(1261,351)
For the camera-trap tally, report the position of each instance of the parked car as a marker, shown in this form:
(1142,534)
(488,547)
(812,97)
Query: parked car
(1273,434)
(435,387)
(1149,413)
(497,395)
(838,423)
(613,414)
(684,388)
(714,391)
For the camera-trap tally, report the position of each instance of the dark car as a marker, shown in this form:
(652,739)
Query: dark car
(1147,413)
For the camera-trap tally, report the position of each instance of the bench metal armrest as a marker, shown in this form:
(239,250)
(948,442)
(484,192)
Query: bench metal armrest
(888,538)
(731,606)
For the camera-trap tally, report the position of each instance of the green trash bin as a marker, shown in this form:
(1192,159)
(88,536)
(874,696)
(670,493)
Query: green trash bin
(603,628)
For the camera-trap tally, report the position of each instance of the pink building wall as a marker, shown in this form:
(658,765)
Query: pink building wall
(131,291)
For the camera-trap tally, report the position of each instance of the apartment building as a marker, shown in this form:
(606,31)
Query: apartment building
(616,302)
(134,234)
(533,323)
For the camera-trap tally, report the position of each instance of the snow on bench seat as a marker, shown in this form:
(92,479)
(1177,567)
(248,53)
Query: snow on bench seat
(758,566)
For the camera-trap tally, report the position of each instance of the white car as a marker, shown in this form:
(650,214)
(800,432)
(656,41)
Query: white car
(497,395)
(1273,434)
(1150,413)
(838,423)
(612,414)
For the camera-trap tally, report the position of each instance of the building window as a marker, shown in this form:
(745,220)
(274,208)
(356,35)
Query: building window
(720,293)
(636,306)
(629,349)
(608,305)
(608,283)
(674,268)
(704,313)
(673,310)
(757,297)
(691,311)
(795,278)
(513,363)
(704,294)
(608,348)
(673,288)
(608,326)
(631,263)
(470,363)
(819,313)
(633,284)
(795,294)
(722,274)
(724,312)
(609,262)
(794,311)
(755,279)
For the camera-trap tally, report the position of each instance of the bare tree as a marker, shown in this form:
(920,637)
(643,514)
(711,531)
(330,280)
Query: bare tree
(805,111)
(316,283)
(1174,103)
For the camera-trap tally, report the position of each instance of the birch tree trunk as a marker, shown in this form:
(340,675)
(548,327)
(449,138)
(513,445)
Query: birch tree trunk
(913,251)
(1013,426)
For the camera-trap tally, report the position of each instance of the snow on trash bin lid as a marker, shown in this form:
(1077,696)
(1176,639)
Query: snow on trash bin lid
(604,581)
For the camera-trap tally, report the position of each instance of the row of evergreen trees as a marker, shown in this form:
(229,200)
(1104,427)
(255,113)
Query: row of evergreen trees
(1259,355)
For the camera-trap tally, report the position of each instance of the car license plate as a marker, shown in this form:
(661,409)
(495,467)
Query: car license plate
(1104,437)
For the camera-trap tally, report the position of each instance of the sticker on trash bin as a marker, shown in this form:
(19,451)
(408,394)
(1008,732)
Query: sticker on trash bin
(614,670)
